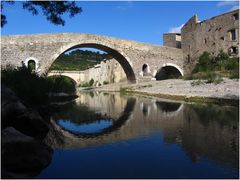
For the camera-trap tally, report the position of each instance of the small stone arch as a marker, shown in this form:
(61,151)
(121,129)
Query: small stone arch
(69,77)
(146,69)
(169,71)
(32,59)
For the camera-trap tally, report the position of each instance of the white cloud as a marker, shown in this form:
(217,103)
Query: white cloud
(227,3)
(125,6)
(234,8)
(232,4)
(176,29)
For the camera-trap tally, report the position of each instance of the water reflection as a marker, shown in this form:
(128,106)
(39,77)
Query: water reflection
(204,133)
(168,106)
(93,127)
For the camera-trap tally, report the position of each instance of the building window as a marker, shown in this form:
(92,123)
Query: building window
(233,35)
(205,41)
(188,58)
(236,16)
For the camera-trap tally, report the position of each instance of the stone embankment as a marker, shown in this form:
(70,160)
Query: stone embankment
(226,91)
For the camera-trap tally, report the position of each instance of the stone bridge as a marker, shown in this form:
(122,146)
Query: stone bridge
(135,58)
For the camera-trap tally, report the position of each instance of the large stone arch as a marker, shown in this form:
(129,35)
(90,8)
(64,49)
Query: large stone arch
(120,56)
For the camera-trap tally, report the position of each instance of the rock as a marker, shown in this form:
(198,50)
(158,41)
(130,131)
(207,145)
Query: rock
(10,106)
(15,114)
(22,156)
(31,124)
(10,135)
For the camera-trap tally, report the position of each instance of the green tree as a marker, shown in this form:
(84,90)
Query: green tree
(53,10)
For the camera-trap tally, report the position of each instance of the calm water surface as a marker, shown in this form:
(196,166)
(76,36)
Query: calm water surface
(104,135)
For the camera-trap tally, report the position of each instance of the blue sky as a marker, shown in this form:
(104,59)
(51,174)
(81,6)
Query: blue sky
(140,21)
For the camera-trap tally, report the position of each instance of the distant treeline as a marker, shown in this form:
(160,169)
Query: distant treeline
(78,60)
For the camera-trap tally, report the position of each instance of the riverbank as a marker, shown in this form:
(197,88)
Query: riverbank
(226,92)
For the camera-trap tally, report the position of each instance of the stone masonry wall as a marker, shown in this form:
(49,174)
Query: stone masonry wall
(209,35)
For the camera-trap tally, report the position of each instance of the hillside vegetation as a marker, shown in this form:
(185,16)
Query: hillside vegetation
(78,60)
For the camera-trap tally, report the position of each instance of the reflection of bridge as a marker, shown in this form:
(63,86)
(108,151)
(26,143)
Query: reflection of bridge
(179,124)
(133,56)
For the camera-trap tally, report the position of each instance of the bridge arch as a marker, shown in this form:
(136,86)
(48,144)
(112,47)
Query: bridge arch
(116,54)
(62,75)
(167,71)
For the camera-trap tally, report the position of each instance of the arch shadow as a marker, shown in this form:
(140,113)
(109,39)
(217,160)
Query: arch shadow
(169,71)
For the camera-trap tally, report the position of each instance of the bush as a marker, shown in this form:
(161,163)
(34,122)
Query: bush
(61,84)
(31,88)
(87,84)
(210,67)
(105,82)
(28,86)
(91,82)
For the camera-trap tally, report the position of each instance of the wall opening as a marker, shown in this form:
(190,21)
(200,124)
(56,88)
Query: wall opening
(168,72)
(233,50)
(31,65)
(145,70)
(233,35)
(236,16)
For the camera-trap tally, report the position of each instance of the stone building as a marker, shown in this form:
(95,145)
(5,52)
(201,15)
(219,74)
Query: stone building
(172,40)
(108,71)
(212,35)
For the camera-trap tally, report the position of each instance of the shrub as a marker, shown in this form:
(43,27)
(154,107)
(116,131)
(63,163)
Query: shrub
(210,67)
(105,82)
(27,85)
(87,84)
(61,84)
(32,88)
(91,82)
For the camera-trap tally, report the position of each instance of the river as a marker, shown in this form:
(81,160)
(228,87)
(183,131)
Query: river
(109,135)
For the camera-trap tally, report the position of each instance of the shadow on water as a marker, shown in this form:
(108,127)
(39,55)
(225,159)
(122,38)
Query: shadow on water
(147,138)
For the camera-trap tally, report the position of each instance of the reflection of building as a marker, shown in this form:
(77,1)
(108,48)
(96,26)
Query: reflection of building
(212,35)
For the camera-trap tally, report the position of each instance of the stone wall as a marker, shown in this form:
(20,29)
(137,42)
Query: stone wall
(109,71)
(210,35)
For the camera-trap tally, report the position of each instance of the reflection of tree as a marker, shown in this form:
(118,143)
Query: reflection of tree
(78,114)
(212,133)
(224,116)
